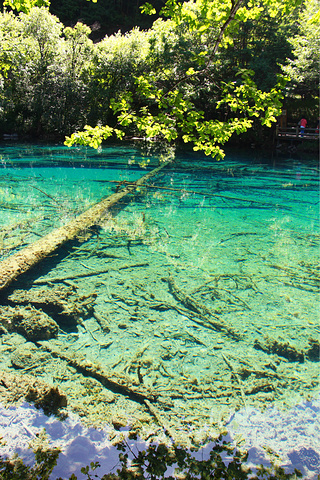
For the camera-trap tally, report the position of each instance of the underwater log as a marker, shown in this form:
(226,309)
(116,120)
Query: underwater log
(205,315)
(114,381)
(14,387)
(29,256)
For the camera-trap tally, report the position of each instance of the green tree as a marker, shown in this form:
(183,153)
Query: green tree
(115,62)
(261,44)
(44,73)
(36,83)
(304,65)
(162,103)
(76,57)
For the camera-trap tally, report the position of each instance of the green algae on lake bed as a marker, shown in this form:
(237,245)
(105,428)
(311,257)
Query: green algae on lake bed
(205,289)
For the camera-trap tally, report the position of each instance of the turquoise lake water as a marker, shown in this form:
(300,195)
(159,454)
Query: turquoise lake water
(204,284)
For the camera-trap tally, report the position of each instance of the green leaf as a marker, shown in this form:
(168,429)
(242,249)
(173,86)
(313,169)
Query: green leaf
(148,9)
(190,71)
(25,5)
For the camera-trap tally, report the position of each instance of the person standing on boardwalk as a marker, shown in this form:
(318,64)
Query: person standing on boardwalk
(302,124)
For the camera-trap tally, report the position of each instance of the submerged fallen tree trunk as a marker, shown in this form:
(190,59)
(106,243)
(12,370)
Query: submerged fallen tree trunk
(29,256)
(112,380)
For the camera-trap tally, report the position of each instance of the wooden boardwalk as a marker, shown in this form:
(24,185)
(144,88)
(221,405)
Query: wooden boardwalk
(292,133)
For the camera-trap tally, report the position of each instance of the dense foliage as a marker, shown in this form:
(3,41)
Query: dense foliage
(171,101)
(157,462)
(103,16)
(303,65)
(43,73)
(204,71)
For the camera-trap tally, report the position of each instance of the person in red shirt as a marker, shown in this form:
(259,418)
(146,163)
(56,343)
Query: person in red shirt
(302,124)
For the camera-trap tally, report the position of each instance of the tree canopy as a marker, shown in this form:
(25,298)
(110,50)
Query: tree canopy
(163,103)
(304,64)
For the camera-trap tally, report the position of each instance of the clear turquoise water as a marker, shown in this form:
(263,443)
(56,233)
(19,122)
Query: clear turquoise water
(239,238)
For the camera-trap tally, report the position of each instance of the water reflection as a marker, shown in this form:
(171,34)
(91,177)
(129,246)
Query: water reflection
(290,438)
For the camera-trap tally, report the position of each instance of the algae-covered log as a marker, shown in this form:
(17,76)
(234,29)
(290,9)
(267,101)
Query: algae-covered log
(15,387)
(112,380)
(29,256)
(33,324)
(208,319)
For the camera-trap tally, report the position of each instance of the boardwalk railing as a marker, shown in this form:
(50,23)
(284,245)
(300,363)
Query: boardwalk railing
(294,132)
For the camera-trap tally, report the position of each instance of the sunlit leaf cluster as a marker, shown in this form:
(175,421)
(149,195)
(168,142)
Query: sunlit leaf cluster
(25,5)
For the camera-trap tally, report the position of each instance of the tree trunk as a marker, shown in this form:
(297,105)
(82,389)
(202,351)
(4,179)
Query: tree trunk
(29,256)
